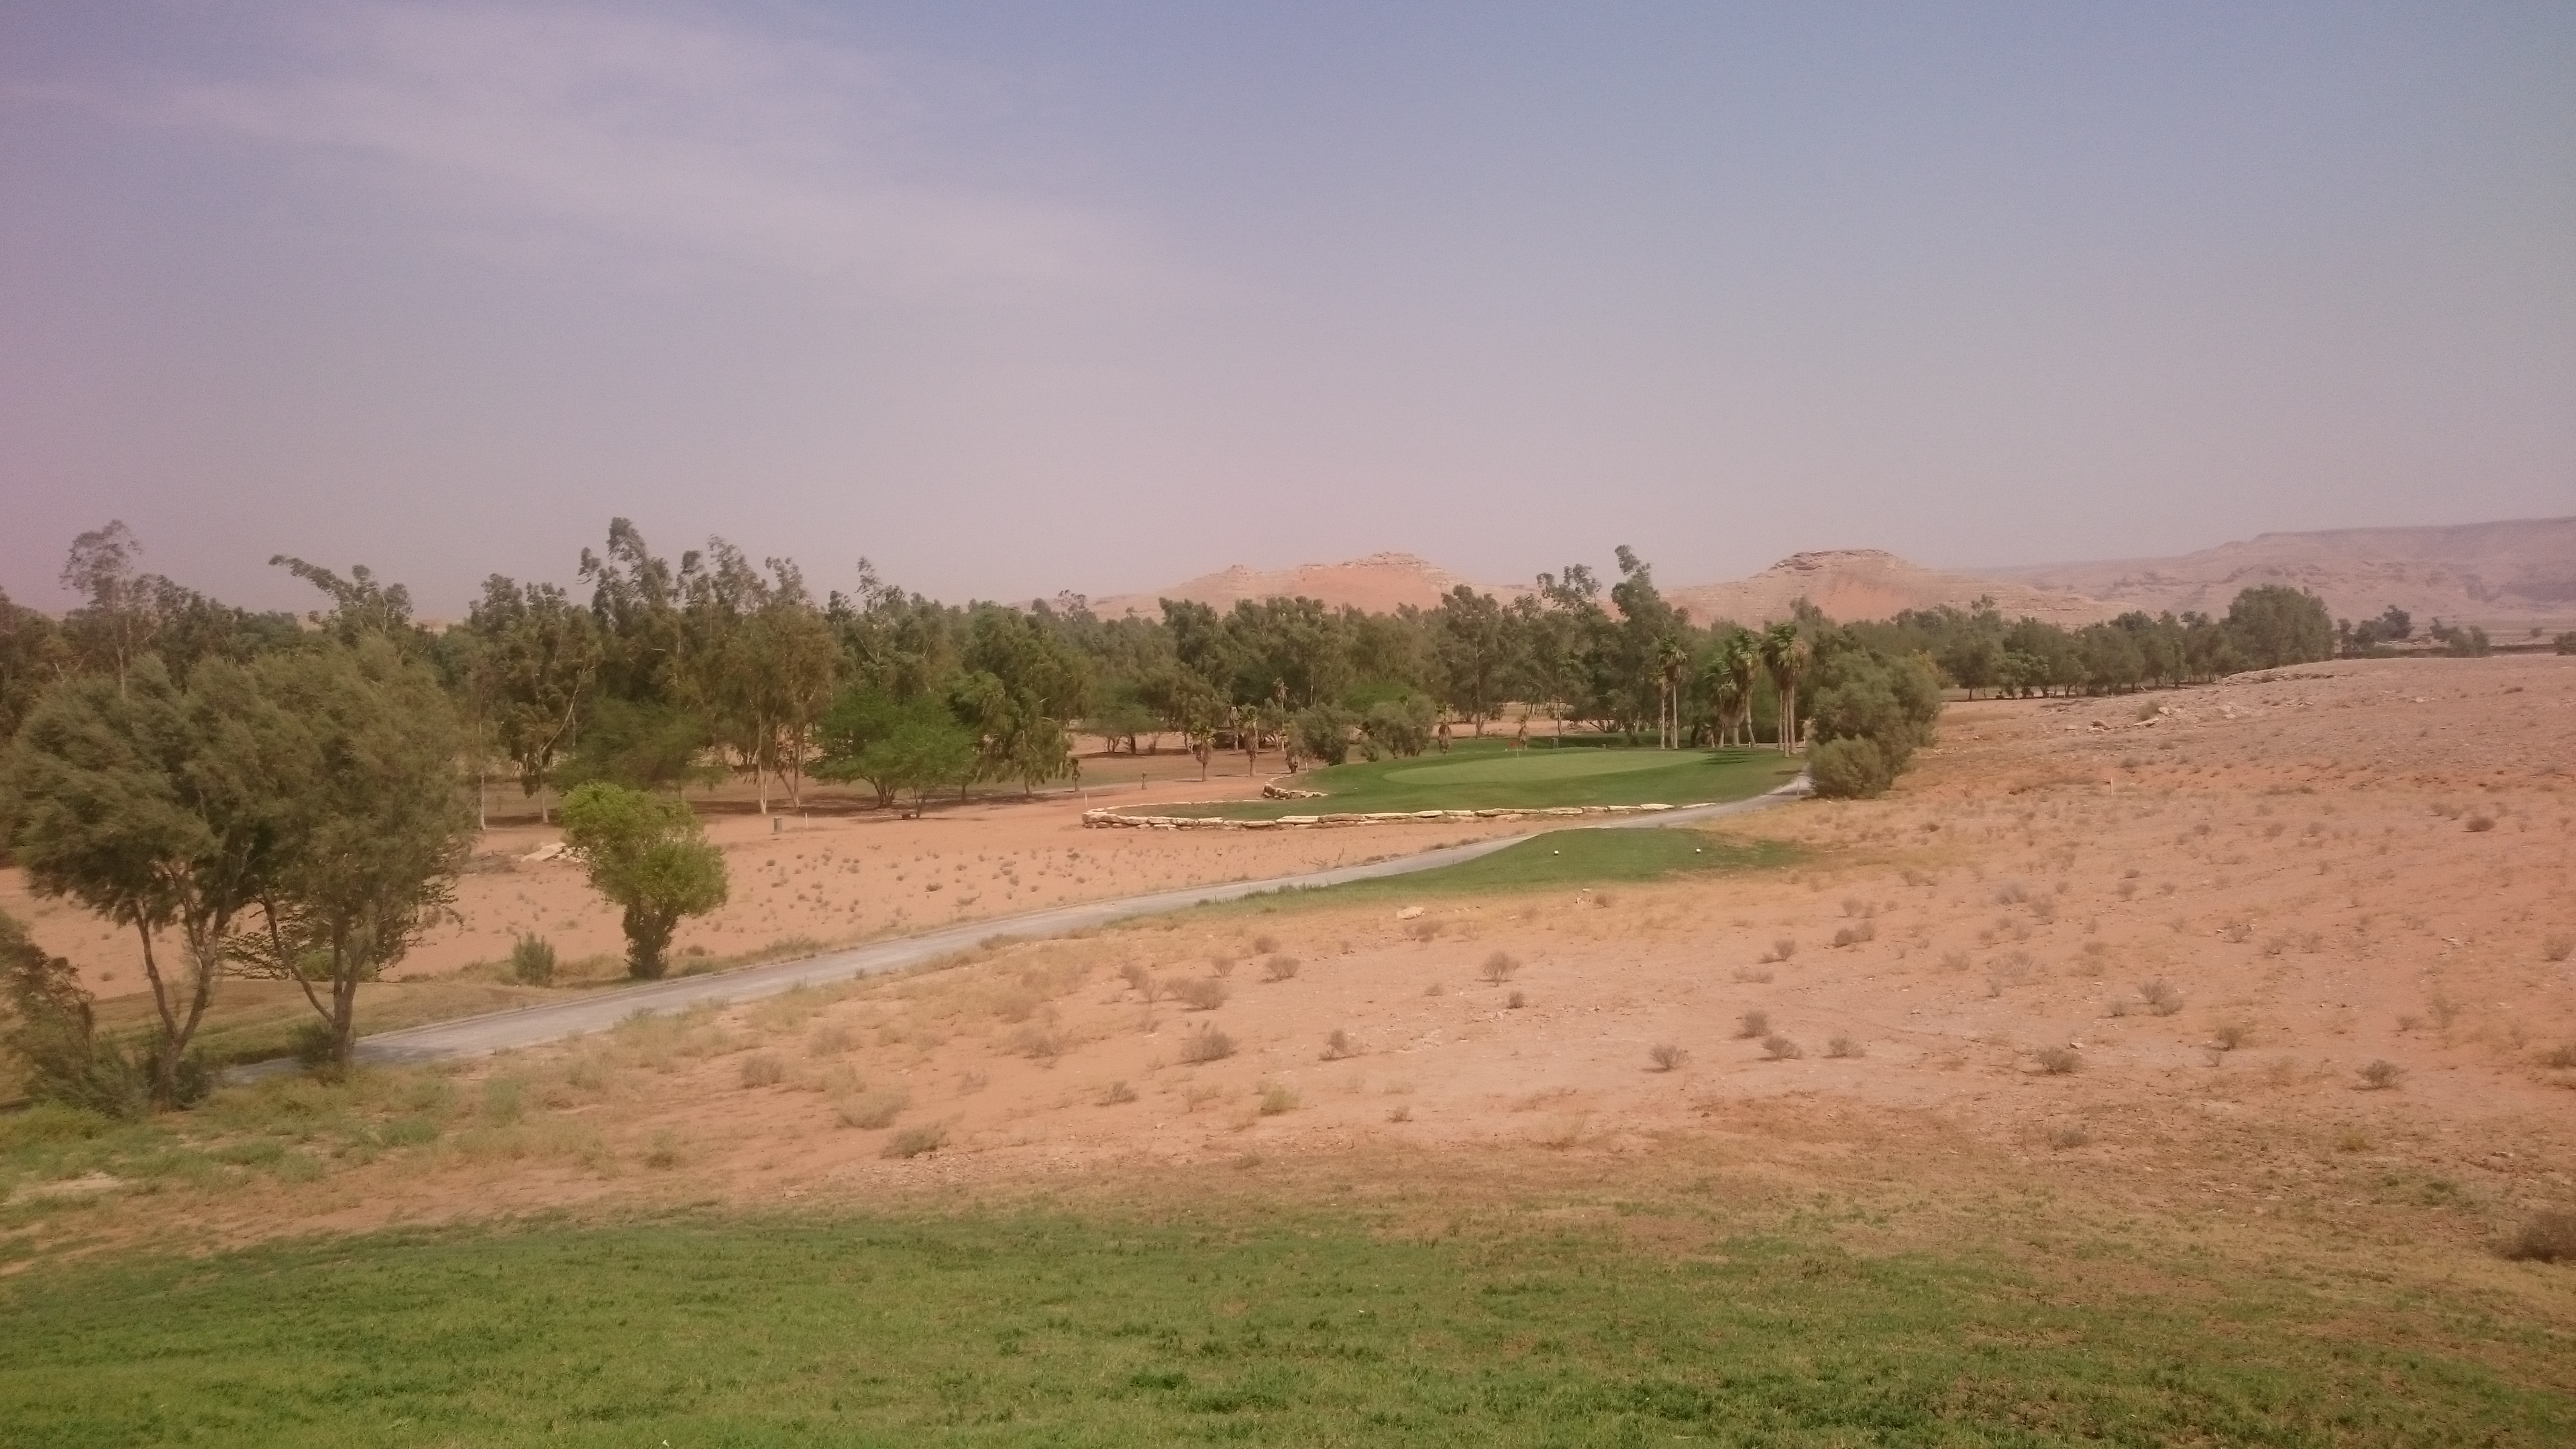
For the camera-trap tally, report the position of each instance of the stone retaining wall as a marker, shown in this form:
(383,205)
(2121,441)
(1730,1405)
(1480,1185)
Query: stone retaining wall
(1111,817)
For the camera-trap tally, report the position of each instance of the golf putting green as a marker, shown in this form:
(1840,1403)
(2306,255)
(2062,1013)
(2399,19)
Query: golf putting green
(1545,765)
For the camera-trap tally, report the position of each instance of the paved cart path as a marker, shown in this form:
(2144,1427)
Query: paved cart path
(476,1036)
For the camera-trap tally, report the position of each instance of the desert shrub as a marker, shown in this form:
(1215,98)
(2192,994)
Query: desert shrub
(1752,1024)
(1782,949)
(1667,1057)
(2057,1061)
(1843,1046)
(1852,769)
(914,1141)
(1500,967)
(1856,934)
(871,1110)
(1424,929)
(2160,997)
(1279,968)
(1117,1094)
(1207,1044)
(1515,1002)
(1323,732)
(2544,1237)
(53,1034)
(2381,1075)
(2562,1056)
(1402,726)
(1753,975)
(1277,1097)
(1780,1049)
(2230,1035)
(1141,979)
(532,961)
(829,1041)
(1201,993)
(760,1069)
(1038,1044)
(2481,823)
(2556,948)
(1264,945)
(1339,1045)
(2070,1135)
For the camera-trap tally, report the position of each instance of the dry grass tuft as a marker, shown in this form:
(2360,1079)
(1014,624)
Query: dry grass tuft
(1339,1046)
(760,1069)
(1667,1057)
(1201,993)
(1279,968)
(1207,1044)
(914,1141)
(1753,975)
(2556,948)
(1752,1024)
(1277,1097)
(2160,996)
(2057,1061)
(871,1110)
(1843,1045)
(2230,1035)
(1500,967)
(1117,1094)
(2381,1075)
(1779,1048)
(2544,1237)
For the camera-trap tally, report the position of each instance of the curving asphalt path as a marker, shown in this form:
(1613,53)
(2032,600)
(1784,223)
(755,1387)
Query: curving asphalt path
(476,1036)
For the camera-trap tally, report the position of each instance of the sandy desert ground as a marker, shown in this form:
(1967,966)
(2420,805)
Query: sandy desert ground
(2211,910)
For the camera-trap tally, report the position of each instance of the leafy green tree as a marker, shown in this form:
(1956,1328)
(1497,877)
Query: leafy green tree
(535,666)
(643,745)
(1401,725)
(1850,769)
(648,855)
(32,655)
(1474,651)
(2274,624)
(158,808)
(1323,732)
(895,745)
(375,827)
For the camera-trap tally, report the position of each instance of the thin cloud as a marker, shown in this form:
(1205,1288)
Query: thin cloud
(665,139)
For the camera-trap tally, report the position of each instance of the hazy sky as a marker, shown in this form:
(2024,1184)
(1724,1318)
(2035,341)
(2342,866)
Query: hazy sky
(1099,296)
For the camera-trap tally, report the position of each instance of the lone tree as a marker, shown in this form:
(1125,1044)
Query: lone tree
(648,854)
(376,825)
(153,806)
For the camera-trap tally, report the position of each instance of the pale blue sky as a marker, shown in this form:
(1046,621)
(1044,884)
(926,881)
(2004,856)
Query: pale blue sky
(1019,298)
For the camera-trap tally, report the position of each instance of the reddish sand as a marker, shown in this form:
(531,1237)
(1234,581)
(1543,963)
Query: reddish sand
(2322,868)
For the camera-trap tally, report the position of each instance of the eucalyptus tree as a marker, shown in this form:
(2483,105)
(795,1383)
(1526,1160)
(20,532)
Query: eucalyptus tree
(1473,645)
(536,660)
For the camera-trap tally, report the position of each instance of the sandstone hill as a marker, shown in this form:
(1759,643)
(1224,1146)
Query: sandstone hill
(1380,583)
(1870,583)
(2511,575)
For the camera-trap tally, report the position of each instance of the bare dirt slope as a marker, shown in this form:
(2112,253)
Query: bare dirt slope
(2503,576)
(1379,583)
(2142,958)
(1868,583)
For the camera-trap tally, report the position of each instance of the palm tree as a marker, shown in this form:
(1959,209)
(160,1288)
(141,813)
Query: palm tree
(1742,657)
(1785,653)
(1722,698)
(1670,658)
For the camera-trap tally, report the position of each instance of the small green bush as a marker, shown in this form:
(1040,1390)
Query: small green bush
(532,961)
(1850,769)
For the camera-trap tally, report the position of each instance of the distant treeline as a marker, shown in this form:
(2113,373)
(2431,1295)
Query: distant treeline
(656,672)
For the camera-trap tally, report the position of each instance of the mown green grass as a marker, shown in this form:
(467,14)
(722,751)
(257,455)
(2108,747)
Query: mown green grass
(1306,1329)
(1555,860)
(1483,775)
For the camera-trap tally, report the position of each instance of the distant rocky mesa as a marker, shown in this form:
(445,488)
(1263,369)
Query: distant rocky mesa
(2513,575)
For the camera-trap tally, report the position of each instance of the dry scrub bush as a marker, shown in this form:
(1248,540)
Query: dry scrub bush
(870,1110)
(1117,1094)
(1752,975)
(1277,1097)
(2381,1075)
(914,1141)
(2057,1061)
(1207,1044)
(1500,967)
(1423,930)
(1141,980)
(2160,997)
(2556,948)
(1279,968)
(1667,1057)
(1264,945)
(1403,1113)
(1515,1002)
(1752,1024)
(1339,1046)
(2481,823)
(1038,1044)
(1843,1046)
(2548,1236)
(2559,1057)
(1201,993)
(2230,1035)
(1856,934)
(1782,950)
(2071,1135)
(760,1069)
(829,1041)
(1779,1048)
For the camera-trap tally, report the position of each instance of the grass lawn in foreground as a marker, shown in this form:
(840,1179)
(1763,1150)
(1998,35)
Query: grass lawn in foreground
(1555,860)
(1302,1328)
(1485,775)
